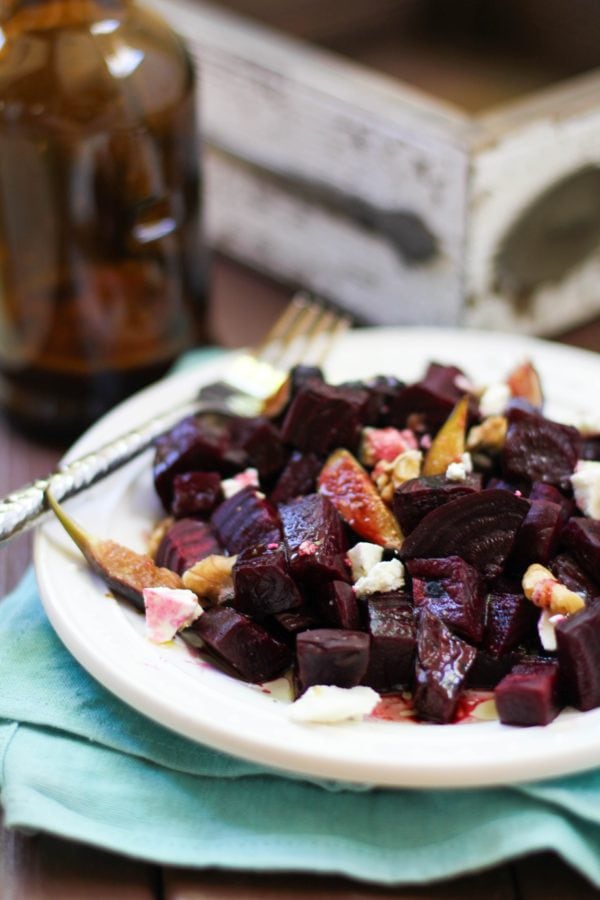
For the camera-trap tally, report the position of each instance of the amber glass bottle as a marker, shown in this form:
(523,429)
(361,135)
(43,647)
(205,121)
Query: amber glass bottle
(101,261)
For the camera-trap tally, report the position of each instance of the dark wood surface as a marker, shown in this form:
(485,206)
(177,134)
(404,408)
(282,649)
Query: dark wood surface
(42,867)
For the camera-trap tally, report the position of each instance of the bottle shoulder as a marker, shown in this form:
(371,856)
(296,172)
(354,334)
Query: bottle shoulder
(132,63)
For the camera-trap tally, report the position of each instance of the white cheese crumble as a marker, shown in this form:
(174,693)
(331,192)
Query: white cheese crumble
(546,627)
(458,471)
(232,486)
(494,399)
(327,704)
(586,487)
(363,556)
(384,576)
(168,610)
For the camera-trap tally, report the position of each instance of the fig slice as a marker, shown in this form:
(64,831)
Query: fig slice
(449,443)
(347,485)
(122,569)
(524,382)
(479,527)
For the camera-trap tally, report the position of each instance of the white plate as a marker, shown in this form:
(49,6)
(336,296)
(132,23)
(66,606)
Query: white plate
(171,685)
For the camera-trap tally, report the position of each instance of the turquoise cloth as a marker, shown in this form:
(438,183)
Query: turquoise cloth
(79,763)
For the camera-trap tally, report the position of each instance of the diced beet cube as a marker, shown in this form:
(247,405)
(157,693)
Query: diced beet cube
(246,646)
(538,537)
(322,417)
(443,661)
(195,493)
(293,621)
(578,650)
(337,604)
(196,443)
(393,629)
(261,440)
(314,538)
(246,519)
(332,656)
(511,619)
(429,400)
(538,449)
(582,537)
(382,390)
(419,496)
(566,570)
(299,477)
(529,694)
(541,491)
(452,590)
(487,671)
(261,582)
(480,528)
(302,375)
(186,542)
(590,447)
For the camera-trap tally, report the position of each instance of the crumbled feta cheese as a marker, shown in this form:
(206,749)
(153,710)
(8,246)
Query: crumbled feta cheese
(384,576)
(458,471)
(494,399)
(586,487)
(327,704)
(546,627)
(247,478)
(168,610)
(363,556)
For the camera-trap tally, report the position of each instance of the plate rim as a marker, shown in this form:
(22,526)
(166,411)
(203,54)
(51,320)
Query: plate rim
(417,774)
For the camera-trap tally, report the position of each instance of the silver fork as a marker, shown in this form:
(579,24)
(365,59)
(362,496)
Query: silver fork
(304,333)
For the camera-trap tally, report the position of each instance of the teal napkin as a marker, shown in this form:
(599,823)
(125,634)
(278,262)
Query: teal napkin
(77,762)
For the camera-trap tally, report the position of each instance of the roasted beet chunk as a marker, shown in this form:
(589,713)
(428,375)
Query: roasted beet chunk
(314,538)
(578,649)
(566,570)
(195,493)
(480,528)
(321,418)
(331,656)
(261,440)
(451,589)
(419,496)
(245,520)
(393,630)
(186,542)
(529,694)
(538,449)
(443,662)
(195,443)
(510,619)
(537,538)
(427,404)
(582,537)
(337,604)
(299,477)
(261,582)
(246,646)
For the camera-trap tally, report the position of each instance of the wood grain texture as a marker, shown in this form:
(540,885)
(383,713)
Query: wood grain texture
(41,867)
(190,885)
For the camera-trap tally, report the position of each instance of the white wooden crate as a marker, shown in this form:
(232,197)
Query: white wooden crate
(394,204)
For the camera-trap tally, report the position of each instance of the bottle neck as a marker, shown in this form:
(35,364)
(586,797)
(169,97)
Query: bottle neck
(30,15)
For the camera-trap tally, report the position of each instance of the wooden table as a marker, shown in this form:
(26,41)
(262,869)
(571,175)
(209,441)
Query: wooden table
(36,867)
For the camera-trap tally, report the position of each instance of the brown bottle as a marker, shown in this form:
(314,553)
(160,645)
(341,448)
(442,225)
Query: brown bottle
(101,261)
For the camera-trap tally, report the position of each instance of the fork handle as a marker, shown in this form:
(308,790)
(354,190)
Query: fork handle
(23,508)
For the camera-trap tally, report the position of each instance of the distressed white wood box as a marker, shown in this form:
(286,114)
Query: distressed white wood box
(472,198)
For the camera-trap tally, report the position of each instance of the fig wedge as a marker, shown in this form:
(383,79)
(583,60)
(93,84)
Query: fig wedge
(524,382)
(449,443)
(123,570)
(347,485)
